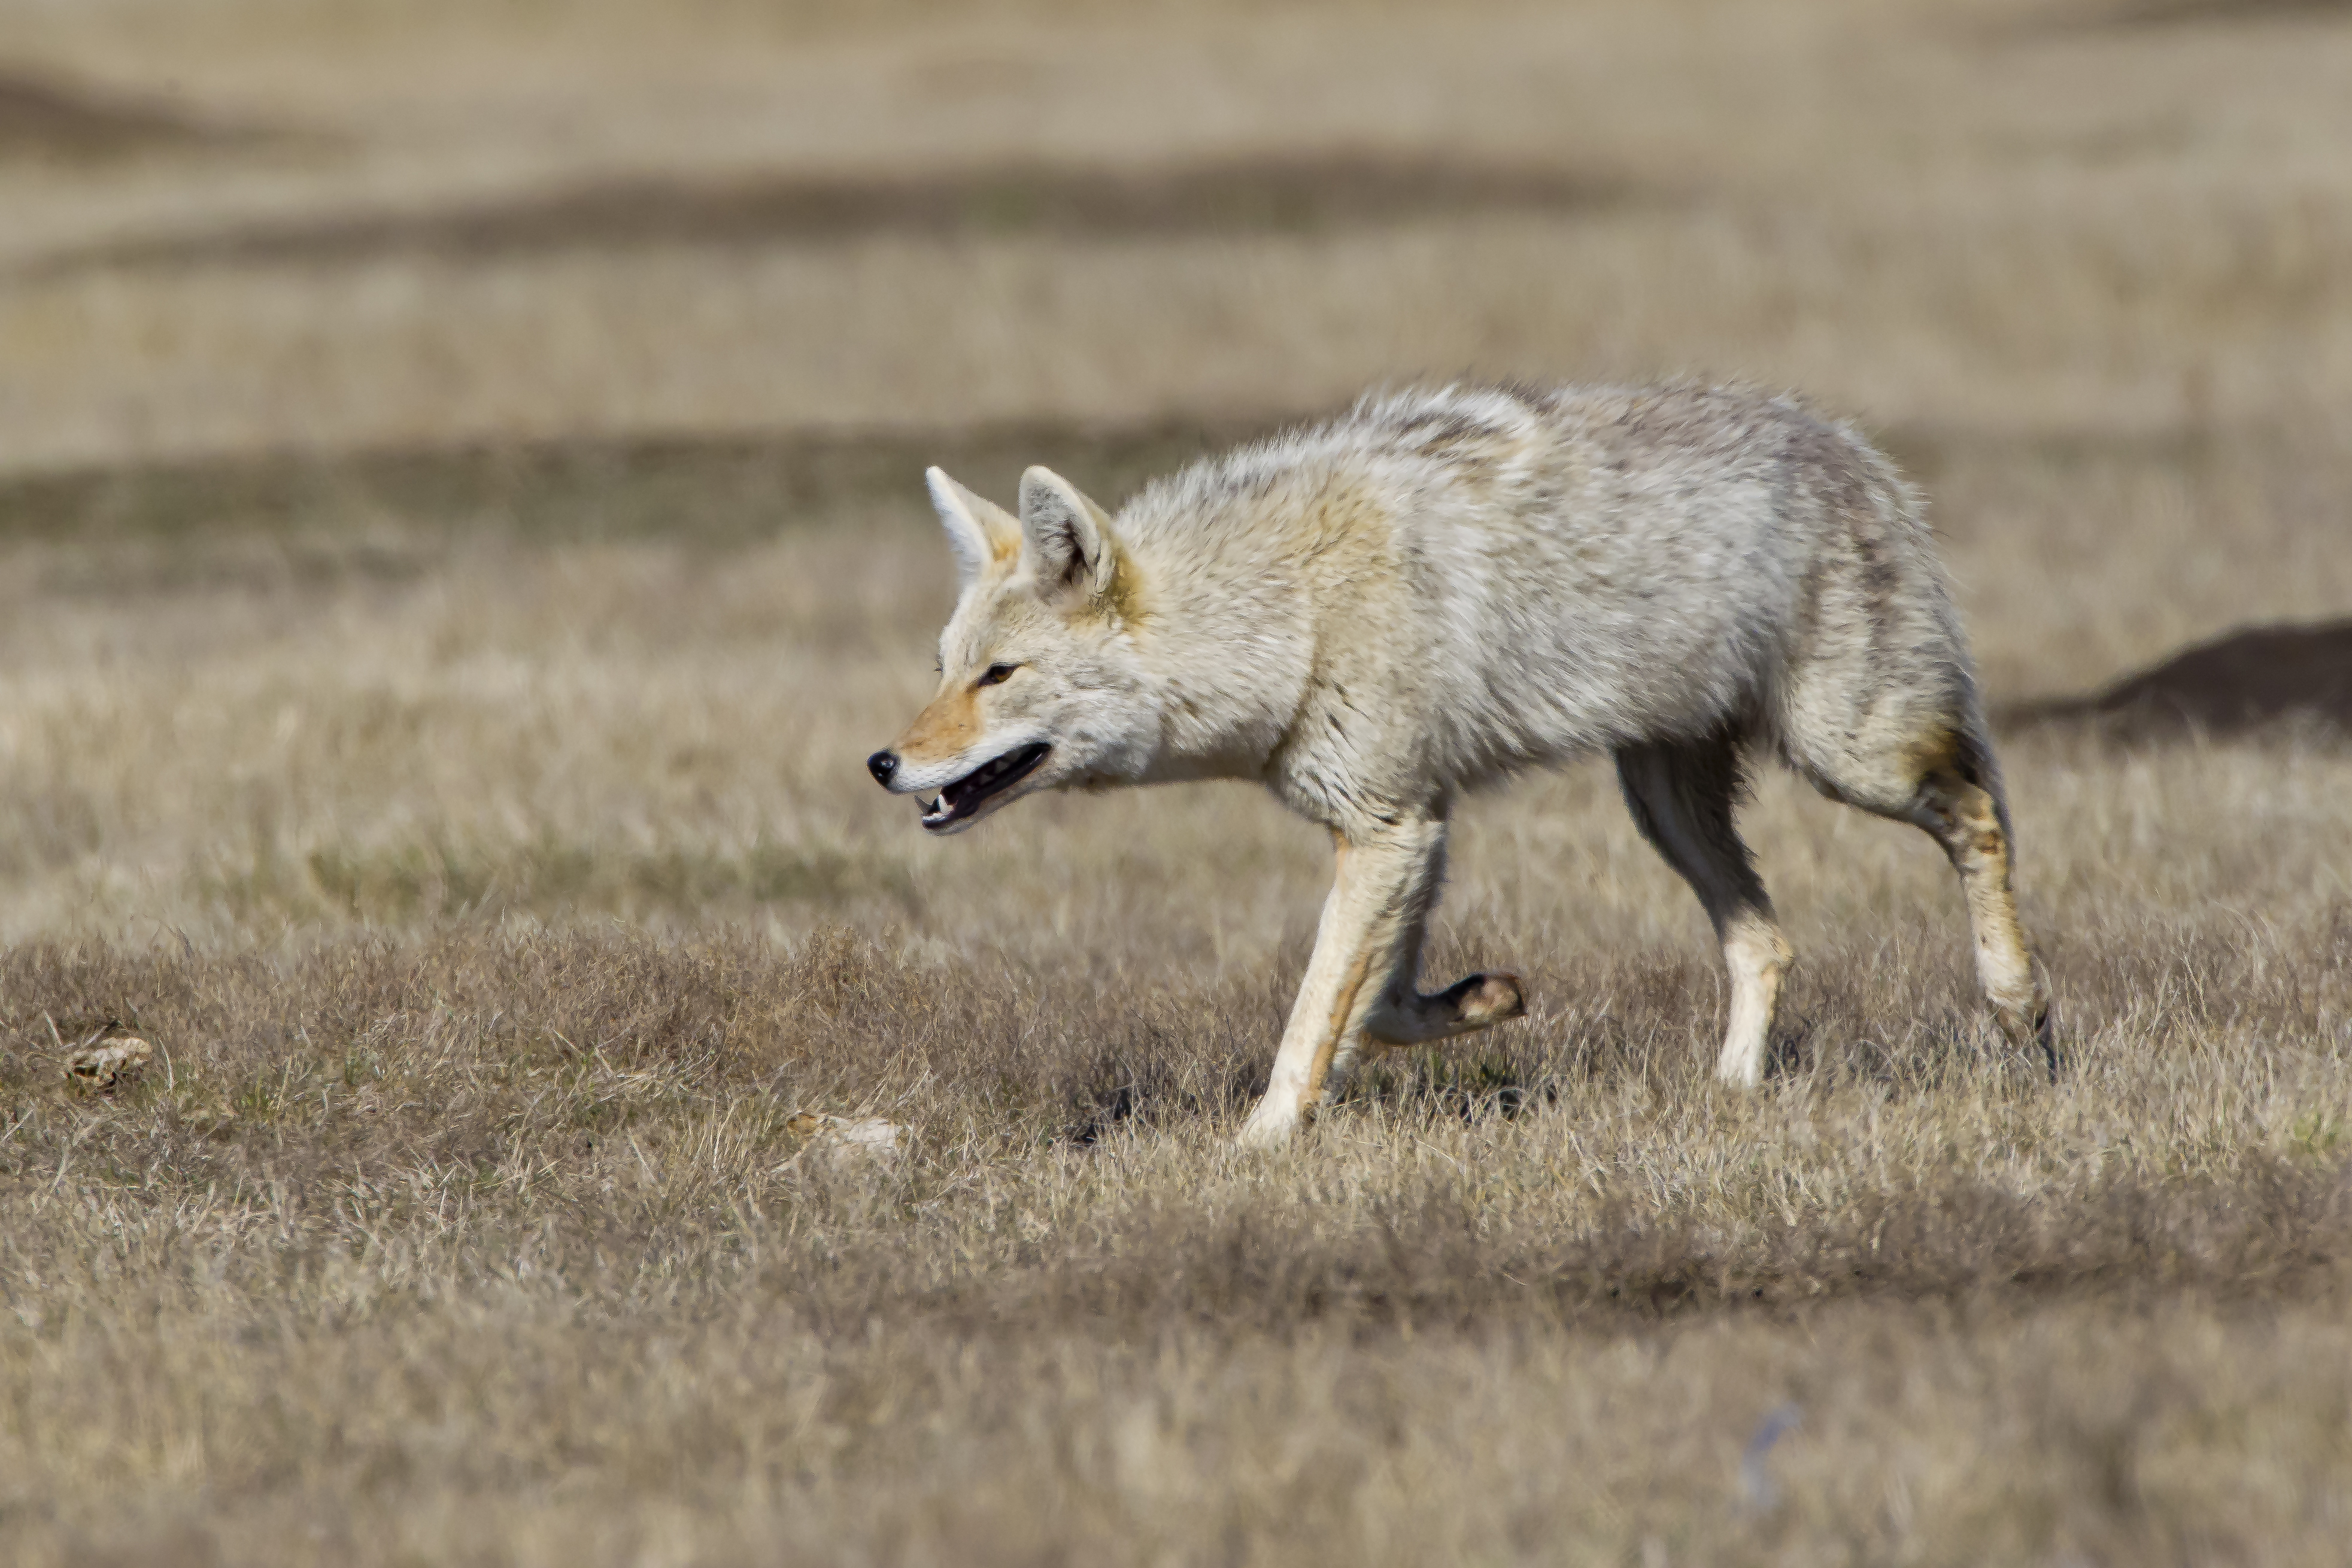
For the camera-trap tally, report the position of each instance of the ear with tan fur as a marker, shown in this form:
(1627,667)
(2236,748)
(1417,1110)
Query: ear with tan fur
(1066,535)
(980,531)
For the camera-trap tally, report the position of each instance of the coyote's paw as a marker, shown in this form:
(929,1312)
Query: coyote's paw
(1740,1067)
(1270,1126)
(1476,1003)
(1484,999)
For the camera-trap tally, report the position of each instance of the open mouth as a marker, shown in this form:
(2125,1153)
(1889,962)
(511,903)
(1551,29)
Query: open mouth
(962,798)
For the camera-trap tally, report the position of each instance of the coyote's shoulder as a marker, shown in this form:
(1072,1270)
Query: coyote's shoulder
(1441,587)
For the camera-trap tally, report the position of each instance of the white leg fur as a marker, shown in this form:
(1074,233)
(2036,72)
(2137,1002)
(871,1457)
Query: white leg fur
(1682,797)
(1379,898)
(1757,955)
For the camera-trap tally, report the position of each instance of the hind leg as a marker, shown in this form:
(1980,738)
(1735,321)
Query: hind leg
(1967,820)
(1944,783)
(1682,795)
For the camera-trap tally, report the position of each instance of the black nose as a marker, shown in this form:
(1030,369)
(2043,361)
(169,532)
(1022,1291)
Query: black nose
(882,764)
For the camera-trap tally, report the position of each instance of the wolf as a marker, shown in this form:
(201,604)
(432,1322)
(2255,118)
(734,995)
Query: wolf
(1442,587)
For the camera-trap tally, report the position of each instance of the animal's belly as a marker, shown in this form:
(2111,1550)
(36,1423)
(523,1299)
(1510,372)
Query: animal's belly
(1598,683)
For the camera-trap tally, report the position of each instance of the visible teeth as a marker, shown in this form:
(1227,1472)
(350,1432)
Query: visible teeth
(978,782)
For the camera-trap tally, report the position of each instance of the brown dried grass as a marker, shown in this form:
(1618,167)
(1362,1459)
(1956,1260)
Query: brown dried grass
(495,895)
(475,828)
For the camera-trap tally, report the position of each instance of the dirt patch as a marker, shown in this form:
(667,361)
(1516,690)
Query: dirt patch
(45,116)
(1303,194)
(2252,679)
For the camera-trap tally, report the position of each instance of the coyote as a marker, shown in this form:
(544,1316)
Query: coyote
(1441,587)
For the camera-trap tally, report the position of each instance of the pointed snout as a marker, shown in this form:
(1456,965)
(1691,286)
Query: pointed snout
(882,765)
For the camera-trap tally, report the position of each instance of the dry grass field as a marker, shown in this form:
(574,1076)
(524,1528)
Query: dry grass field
(461,513)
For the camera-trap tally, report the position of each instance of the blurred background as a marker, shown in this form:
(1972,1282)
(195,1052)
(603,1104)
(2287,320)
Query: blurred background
(451,450)
(246,225)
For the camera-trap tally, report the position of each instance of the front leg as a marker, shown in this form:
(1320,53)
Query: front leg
(1382,875)
(1359,981)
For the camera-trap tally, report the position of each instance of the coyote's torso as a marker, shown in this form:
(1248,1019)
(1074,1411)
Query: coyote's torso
(1439,588)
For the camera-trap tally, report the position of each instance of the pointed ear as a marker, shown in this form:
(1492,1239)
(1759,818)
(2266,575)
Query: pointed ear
(981,531)
(1067,537)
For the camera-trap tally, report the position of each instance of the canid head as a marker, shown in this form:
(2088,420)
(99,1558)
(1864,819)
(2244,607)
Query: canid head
(1041,686)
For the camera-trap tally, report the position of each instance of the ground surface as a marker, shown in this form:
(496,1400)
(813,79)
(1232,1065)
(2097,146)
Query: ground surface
(458,489)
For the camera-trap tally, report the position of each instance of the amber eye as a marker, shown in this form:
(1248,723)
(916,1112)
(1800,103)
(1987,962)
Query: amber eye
(997,675)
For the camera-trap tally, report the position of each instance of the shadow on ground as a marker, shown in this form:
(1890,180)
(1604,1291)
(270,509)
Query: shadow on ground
(715,490)
(2253,679)
(2149,11)
(45,116)
(1300,193)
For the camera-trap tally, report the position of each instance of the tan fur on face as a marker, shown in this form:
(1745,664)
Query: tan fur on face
(944,729)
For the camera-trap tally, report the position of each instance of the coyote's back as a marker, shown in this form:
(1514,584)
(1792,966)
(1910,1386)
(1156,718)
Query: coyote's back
(1589,568)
